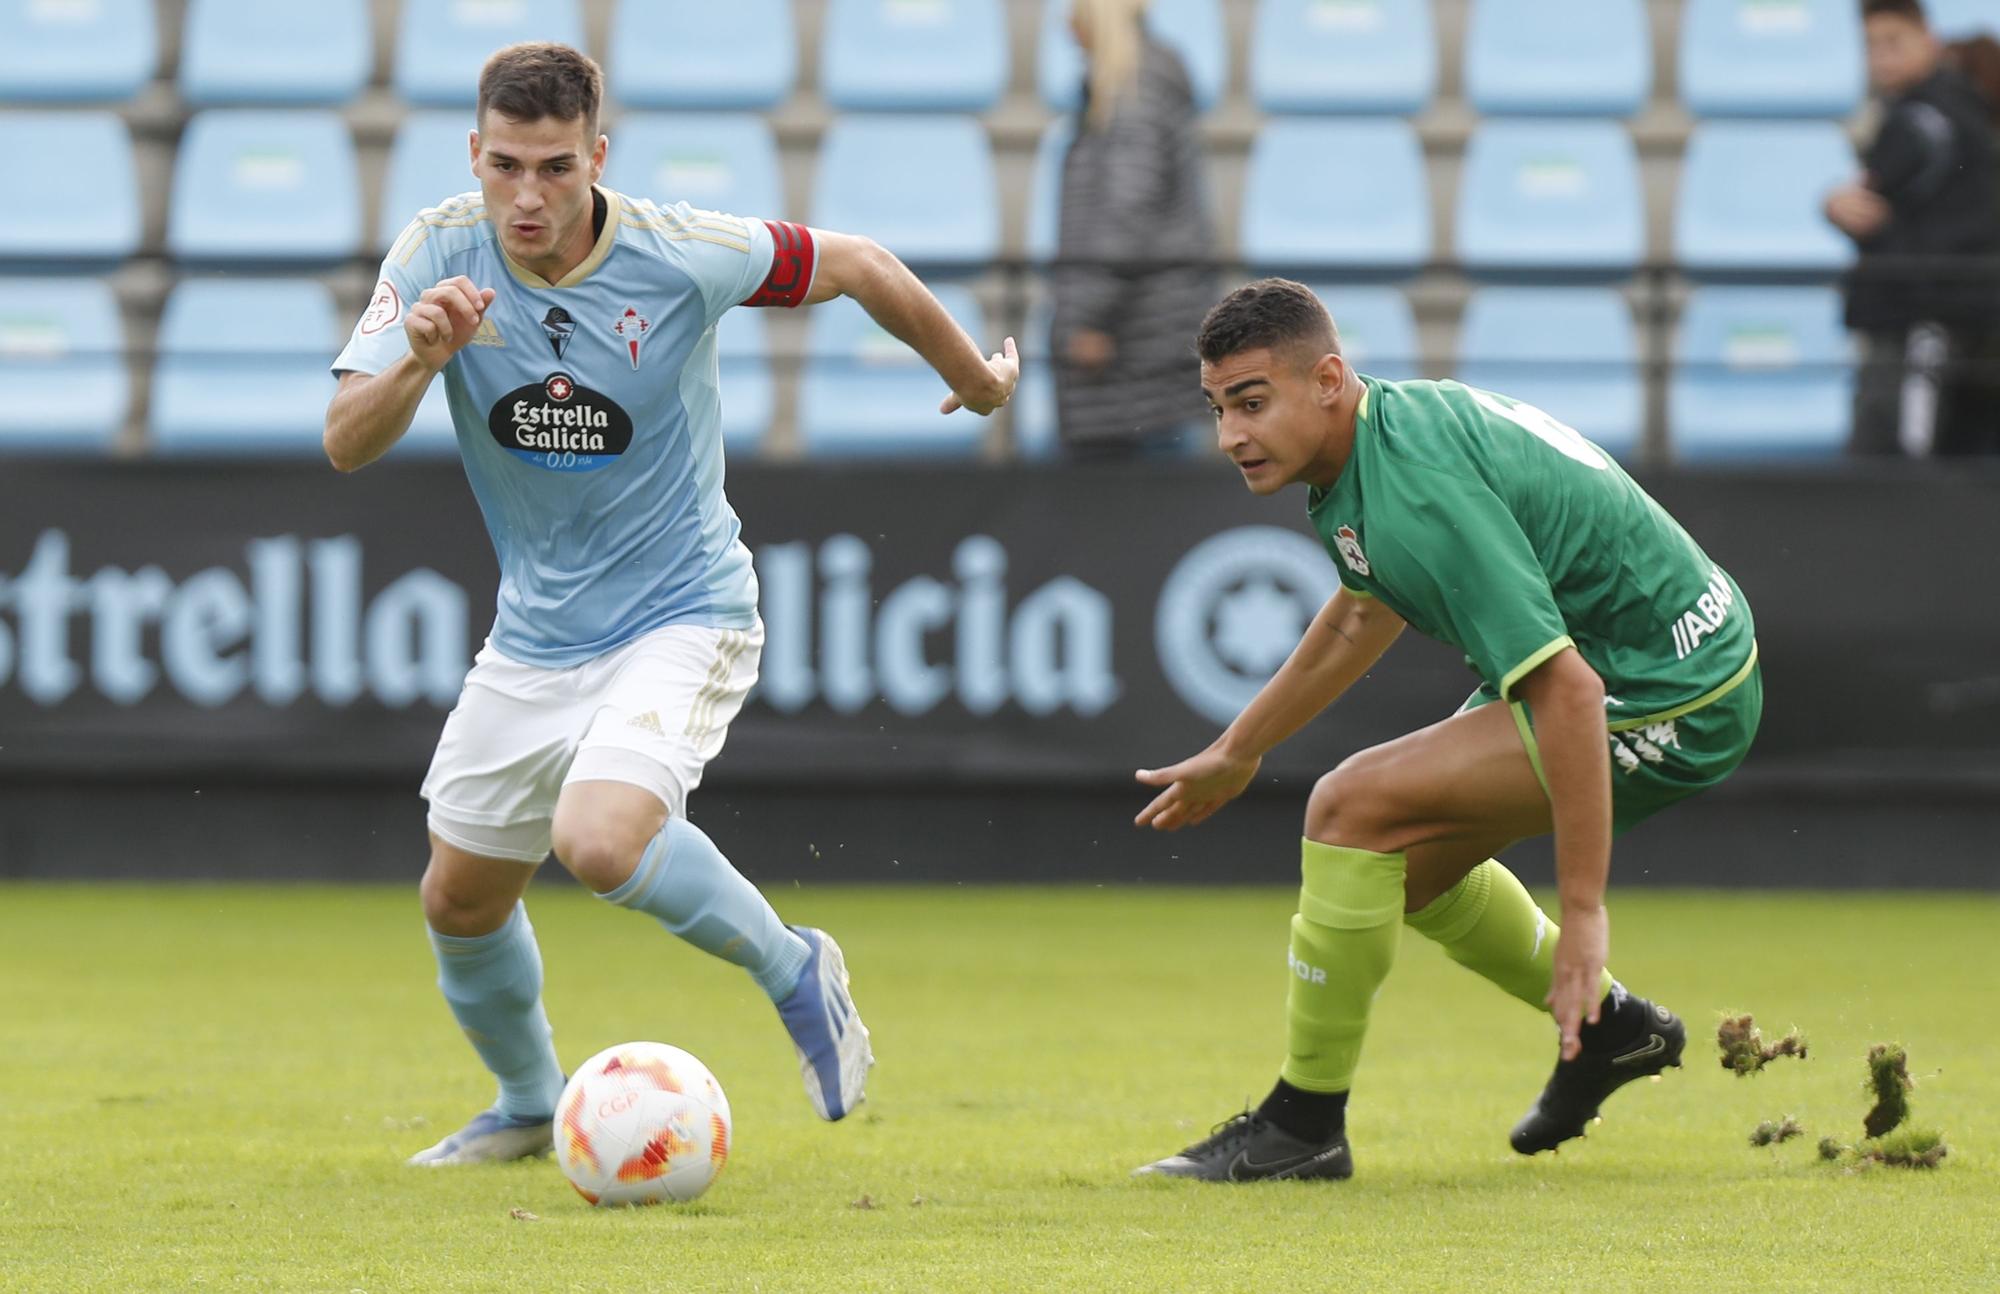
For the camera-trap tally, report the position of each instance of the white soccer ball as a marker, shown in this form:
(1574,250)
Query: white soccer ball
(640,1123)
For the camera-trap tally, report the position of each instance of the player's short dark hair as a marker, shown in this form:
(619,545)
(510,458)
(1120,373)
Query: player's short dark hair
(1910,9)
(538,79)
(1274,314)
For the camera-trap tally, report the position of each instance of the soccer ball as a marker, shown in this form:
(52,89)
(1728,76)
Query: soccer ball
(640,1123)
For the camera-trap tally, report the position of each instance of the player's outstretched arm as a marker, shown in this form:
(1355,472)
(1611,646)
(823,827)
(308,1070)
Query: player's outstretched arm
(1341,644)
(371,411)
(852,266)
(1567,698)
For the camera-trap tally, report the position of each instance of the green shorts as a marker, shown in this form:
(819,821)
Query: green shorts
(1655,764)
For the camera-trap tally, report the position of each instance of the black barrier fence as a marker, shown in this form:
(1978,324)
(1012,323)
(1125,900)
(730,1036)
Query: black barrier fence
(936,637)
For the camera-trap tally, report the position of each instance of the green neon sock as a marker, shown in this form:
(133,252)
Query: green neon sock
(1488,924)
(1343,942)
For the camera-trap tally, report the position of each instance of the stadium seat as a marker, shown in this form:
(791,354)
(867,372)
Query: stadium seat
(742,55)
(1760,373)
(266,187)
(253,51)
(1585,57)
(442,44)
(1045,190)
(1378,330)
(1376,56)
(1771,58)
(1302,215)
(1191,28)
(749,395)
(69,53)
(718,161)
(72,192)
(1570,352)
(243,367)
(913,55)
(1750,197)
(921,186)
(429,161)
(1550,196)
(864,393)
(62,358)
(431,433)
(1957,19)
(1033,407)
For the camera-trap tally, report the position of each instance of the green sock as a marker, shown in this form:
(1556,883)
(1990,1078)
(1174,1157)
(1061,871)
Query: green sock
(1343,942)
(1488,924)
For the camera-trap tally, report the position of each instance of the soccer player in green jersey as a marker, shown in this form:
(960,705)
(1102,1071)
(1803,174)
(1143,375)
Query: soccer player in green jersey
(1619,674)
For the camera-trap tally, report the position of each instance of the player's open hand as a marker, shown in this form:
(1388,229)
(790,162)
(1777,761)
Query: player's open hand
(1005,370)
(1195,789)
(443,320)
(1581,951)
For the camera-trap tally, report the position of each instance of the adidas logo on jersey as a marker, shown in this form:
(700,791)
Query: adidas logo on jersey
(487,335)
(647,722)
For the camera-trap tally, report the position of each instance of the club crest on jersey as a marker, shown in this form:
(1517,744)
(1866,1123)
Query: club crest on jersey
(560,426)
(558,327)
(631,328)
(1349,544)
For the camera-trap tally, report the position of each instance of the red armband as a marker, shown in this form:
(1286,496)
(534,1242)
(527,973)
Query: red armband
(793,260)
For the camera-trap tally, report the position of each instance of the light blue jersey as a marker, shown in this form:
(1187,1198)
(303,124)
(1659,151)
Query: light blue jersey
(588,415)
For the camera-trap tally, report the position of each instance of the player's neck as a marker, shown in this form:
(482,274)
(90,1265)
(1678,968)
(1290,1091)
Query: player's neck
(1336,448)
(582,243)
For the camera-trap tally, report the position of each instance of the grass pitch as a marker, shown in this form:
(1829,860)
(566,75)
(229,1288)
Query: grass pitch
(214,1089)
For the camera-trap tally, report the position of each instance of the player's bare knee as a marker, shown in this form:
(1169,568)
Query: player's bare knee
(602,856)
(457,905)
(1352,806)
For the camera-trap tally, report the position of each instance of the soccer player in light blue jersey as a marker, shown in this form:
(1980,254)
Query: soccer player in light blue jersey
(575,331)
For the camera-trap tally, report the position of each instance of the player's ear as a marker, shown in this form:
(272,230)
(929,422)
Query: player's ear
(597,156)
(1330,378)
(472,142)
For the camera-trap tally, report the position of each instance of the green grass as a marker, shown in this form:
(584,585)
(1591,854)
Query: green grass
(214,1089)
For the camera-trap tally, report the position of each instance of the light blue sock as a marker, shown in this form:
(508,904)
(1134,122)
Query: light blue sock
(684,880)
(494,985)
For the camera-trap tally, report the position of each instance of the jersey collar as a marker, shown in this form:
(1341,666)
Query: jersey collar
(614,207)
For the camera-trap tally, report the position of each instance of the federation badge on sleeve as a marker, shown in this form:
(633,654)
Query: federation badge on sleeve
(631,329)
(1349,544)
(384,308)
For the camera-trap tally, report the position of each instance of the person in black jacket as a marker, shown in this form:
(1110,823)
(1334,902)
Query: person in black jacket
(1922,293)
(1133,244)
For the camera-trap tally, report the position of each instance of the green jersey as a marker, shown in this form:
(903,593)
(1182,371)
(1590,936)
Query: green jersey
(1488,525)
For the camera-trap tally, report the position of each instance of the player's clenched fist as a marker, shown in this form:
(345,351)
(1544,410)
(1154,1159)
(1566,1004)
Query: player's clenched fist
(444,319)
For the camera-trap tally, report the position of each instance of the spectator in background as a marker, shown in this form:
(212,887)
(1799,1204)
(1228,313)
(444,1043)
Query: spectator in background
(1132,282)
(1928,191)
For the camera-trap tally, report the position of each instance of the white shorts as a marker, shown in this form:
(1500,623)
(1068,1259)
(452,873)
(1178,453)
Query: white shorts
(651,714)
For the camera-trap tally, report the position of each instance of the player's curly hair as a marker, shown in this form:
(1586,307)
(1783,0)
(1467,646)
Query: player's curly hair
(538,79)
(1274,314)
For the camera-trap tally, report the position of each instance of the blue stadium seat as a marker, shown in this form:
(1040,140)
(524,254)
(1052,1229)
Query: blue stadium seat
(749,395)
(913,55)
(864,393)
(1570,352)
(921,186)
(1375,56)
(1750,196)
(253,51)
(1045,190)
(1760,373)
(714,160)
(431,433)
(1586,57)
(62,359)
(1771,58)
(69,53)
(242,367)
(1191,28)
(442,44)
(429,161)
(1378,330)
(1543,195)
(1956,19)
(1033,407)
(269,187)
(742,55)
(1301,215)
(72,193)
